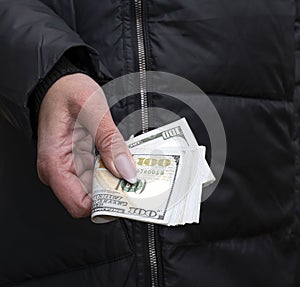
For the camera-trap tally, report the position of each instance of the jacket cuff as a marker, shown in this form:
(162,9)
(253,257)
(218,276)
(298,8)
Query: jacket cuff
(62,68)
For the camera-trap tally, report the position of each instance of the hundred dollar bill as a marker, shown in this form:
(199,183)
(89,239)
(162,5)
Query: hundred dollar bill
(147,200)
(171,170)
(177,135)
(174,135)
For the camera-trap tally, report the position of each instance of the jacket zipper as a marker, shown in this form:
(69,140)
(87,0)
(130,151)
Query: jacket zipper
(142,63)
(153,263)
(152,255)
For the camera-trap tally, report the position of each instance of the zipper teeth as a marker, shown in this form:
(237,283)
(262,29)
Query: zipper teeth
(145,125)
(142,65)
(152,256)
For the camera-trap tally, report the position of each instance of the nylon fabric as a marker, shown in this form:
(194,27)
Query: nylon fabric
(245,56)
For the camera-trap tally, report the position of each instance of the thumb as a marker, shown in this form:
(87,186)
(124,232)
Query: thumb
(113,150)
(96,117)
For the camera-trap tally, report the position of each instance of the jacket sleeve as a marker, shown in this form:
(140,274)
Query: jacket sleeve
(62,68)
(33,39)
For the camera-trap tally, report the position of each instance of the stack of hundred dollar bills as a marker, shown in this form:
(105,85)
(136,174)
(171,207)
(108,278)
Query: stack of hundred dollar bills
(171,170)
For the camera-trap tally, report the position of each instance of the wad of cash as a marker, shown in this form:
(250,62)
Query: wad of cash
(171,170)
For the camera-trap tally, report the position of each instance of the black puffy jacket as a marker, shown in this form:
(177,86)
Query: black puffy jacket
(245,56)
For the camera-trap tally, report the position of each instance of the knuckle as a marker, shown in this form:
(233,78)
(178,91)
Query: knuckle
(106,140)
(80,209)
(110,140)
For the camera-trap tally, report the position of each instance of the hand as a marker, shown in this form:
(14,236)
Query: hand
(65,161)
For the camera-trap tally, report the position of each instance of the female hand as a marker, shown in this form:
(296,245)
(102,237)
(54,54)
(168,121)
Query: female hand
(74,115)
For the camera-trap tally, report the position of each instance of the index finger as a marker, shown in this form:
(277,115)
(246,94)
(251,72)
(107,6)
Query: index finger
(71,193)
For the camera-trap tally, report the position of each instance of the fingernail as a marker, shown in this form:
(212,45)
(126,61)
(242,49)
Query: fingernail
(126,168)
